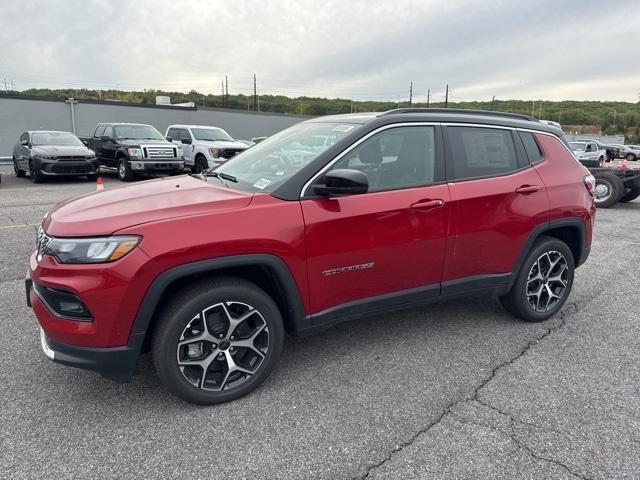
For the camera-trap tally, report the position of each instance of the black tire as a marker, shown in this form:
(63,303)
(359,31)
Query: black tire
(200,164)
(630,194)
(609,189)
(631,157)
(19,172)
(124,170)
(522,293)
(177,322)
(36,176)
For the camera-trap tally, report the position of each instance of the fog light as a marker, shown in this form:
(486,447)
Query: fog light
(63,304)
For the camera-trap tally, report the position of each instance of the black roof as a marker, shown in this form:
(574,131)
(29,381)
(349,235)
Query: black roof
(443,115)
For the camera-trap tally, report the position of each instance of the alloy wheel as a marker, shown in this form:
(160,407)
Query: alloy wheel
(223,346)
(547,281)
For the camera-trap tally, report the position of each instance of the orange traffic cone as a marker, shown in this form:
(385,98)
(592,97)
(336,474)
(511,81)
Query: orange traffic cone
(624,164)
(99,184)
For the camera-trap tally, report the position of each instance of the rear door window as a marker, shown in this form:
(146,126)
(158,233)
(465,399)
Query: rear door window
(480,152)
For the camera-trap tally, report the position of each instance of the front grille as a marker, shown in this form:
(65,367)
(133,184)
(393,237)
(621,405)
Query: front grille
(42,240)
(72,159)
(71,169)
(231,152)
(159,152)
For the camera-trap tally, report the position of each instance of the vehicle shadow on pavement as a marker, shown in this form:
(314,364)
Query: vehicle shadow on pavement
(380,348)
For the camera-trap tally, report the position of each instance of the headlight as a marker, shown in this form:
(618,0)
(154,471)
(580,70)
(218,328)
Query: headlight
(90,250)
(134,152)
(215,152)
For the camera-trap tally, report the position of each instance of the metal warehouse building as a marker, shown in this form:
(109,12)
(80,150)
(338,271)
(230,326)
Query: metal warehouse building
(20,113)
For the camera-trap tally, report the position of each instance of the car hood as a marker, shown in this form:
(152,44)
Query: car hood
(105,212)
(224,144)
(61,150)
(135,142)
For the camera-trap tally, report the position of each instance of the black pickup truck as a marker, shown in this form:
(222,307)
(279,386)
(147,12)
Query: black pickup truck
(134,149)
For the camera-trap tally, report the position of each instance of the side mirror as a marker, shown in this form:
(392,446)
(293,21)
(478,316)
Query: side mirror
(169,138)
(186,141)
(344,181)
(105,138)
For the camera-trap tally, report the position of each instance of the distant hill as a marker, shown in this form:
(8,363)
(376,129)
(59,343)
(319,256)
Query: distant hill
(609,117)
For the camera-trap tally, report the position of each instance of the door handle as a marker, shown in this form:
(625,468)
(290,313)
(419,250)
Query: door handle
(527,189)
(426,205)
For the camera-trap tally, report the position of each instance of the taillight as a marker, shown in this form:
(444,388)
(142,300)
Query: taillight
(590,183)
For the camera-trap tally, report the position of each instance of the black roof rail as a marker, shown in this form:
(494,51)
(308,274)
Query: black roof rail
(485,113)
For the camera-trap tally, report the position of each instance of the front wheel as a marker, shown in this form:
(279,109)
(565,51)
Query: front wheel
(631,157)
(124,170)
(217,341)
(34,171)
(543,283)
(200,164)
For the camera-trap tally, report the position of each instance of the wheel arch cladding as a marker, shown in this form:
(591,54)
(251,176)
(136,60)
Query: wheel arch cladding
(268,272)
(569,230)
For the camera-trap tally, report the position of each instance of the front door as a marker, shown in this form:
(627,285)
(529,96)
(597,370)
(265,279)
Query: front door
(389,241)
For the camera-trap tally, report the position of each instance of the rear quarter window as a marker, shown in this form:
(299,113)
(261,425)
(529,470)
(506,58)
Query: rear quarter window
(531,147)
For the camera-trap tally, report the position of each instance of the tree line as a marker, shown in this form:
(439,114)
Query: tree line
(611,118)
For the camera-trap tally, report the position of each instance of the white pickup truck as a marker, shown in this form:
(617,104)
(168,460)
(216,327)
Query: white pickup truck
(203,146)
(589,153)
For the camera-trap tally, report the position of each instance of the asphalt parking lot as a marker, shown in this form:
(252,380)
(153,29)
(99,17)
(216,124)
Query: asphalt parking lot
(456,390)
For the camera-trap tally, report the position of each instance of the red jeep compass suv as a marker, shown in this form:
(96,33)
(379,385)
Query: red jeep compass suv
(331,219)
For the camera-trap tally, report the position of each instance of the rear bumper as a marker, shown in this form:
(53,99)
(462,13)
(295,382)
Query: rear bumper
(115,363)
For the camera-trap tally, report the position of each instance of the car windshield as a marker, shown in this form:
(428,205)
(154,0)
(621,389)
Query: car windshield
(211,134)
(137,132)
(55,138)
(578,147)
(265,166)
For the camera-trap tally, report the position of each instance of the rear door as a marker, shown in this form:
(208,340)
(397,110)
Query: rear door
(387,241)
(497,199)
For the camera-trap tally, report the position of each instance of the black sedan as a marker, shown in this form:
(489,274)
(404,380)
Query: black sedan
(50,153)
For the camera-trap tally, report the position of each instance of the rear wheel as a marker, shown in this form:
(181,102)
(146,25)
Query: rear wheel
(217,341)
(608,190)
(200,164)
(543,283)
(19,172)
(124,170)
(631,157)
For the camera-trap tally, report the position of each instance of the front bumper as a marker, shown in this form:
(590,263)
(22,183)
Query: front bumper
(156,165)
(116,363)
(62,168)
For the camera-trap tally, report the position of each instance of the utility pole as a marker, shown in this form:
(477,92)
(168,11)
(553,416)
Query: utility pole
(226,81)
(255,93)
(492,102)
(5,85)
(410,93)
(533,107)
(222,96)
(428,96)
(446,98)
(539,109)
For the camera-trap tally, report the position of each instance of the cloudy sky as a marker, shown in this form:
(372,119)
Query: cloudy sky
(361,49)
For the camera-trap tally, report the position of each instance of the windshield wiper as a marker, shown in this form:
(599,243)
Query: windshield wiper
(224,176)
